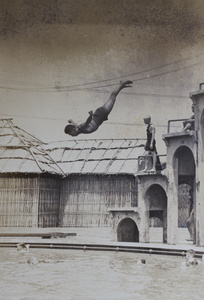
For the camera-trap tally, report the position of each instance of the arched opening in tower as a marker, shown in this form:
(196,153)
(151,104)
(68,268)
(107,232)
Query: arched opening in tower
(127,231)
(157,202)
(185,172)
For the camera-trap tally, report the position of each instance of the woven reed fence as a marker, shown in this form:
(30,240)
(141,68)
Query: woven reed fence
(29,201)
(49,197)
(85,199)
(19,202)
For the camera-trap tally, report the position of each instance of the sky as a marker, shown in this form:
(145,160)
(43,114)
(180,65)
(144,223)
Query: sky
(61,59)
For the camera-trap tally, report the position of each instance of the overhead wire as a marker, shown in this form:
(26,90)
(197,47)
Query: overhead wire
(133,74)
(146,94)
(62,120)
(146,77)
(69,88)
(85,86)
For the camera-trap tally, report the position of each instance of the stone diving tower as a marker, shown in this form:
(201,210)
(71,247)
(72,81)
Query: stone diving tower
(185,164)
(198,101)
(158,192)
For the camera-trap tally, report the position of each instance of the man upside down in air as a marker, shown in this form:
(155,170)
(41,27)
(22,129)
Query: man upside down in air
(99,116)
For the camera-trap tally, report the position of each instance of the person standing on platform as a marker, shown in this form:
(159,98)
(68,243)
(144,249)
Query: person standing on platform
(150,146)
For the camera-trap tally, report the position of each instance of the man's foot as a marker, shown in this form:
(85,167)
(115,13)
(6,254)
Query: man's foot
(126,84)
(152,170)
(143,170)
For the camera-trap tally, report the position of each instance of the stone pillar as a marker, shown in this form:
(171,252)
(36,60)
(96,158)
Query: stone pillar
(174,142)
(172,208)
(143,206)
(198,101)
(144,226)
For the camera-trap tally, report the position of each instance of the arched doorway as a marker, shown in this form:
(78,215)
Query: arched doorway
(184,166)
(157,203)
(127,231)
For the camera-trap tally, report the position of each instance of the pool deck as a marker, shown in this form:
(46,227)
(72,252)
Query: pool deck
(92,239)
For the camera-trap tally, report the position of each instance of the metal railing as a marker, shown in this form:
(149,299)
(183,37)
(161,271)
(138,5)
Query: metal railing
(176,120)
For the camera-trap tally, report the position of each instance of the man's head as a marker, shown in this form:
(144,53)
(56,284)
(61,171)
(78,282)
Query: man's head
(71,129)
(147,119)
(190,254)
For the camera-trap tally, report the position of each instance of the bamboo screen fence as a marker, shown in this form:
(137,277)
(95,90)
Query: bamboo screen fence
(49,197)
(85,199)
(29,201)
(19,202)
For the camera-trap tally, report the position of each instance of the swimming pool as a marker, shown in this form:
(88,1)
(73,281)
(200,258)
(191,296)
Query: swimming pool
(69,274)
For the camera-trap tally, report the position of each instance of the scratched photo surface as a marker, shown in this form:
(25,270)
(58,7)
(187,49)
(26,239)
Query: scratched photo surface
(61,59)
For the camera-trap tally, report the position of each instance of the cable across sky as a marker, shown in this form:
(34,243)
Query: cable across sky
(27,87)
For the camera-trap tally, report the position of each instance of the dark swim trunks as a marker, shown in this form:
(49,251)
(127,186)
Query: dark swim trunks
(94,121)
(100,115)
(147,146)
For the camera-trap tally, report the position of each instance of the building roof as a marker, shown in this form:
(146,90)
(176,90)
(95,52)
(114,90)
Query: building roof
(116,156)
(20,152)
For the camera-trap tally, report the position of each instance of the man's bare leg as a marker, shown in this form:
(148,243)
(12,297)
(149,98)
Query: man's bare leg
(146,162)
(111,101)
(154,160)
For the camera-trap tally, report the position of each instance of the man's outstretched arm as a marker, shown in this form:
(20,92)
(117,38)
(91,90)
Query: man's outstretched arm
(84,126)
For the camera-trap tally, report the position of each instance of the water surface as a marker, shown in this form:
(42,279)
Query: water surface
(69,274)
